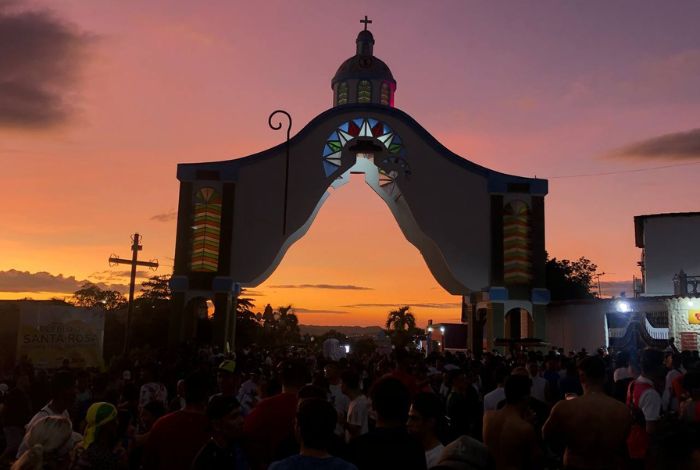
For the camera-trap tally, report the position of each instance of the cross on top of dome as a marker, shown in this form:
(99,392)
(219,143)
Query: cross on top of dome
(363,78)
(365,21)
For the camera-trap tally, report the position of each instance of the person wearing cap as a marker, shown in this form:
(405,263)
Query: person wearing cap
(227,378)
(100,449)
(223,451)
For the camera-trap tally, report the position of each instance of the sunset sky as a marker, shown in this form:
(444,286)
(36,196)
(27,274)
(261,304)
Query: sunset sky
(100,100)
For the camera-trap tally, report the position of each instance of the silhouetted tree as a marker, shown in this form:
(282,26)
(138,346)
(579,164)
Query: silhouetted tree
(156,288)
(248,327)
(90,295)
(567,280)
(400,325)
(280,326)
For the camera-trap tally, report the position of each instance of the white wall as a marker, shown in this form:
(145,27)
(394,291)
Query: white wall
(576,325)
(670,244)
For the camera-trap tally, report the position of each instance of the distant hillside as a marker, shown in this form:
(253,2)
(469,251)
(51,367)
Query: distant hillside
(316,330)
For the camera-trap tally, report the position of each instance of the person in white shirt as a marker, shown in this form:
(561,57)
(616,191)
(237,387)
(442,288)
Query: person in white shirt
(425,420)
(338,399)
(63,392)
(152,389)
(622,367)
(357,422)
(248,394)
(493,398)
(537,390)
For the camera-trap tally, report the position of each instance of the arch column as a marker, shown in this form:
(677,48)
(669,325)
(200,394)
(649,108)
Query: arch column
(226,293)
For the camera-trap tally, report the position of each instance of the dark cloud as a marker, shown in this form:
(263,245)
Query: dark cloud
(251,293)
(24,281)
(401,304)
(320,286)
(105,276)
(312,310)
(165,217)
(40,62)
(674,146)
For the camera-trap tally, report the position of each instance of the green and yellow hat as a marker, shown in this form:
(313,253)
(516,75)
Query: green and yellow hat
(228,366)
(98,415)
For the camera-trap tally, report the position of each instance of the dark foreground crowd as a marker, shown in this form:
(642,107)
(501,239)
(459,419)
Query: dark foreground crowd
(293,409)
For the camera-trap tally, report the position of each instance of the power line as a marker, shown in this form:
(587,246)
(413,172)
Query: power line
(634,170)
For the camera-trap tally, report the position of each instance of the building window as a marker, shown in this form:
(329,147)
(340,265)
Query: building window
(385,95)
(364,92)
(343,93)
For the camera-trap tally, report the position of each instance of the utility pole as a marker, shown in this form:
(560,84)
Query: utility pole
(598,275)
(134,262)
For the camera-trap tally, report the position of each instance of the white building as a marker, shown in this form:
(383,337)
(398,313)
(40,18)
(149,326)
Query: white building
(617,323)
(668,243)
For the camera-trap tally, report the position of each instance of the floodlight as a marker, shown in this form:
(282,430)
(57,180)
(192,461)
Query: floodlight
(623,306)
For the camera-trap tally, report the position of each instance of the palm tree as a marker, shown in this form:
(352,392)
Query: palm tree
(244,305)
(400,324)
(401,320)
(288,322)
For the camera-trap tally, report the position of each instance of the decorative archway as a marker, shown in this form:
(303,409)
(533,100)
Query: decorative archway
(480,232)
(466,220)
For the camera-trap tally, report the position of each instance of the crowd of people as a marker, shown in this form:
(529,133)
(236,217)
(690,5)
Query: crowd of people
(292,408)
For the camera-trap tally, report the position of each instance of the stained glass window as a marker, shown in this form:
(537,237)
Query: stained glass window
(207,230)
(364,92)
(343,93)
(385,95)
(516,244)
(360,127)
(387,181)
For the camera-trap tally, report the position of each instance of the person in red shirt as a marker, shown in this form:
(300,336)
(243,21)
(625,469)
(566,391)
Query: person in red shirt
(269,428)
(176,438)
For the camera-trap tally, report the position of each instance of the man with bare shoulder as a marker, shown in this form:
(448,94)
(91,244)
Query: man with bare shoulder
(594,427)
(508,434)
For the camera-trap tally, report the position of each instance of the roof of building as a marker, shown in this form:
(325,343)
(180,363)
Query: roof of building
(364,64)
(363,68)
(639,223)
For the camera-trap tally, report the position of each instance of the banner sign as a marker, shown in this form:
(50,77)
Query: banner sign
(50,334)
